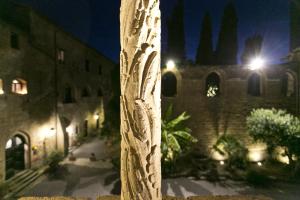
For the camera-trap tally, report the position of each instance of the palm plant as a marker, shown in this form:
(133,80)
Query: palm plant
(176,138)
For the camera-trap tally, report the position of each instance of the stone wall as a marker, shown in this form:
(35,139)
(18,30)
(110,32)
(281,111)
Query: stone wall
(33,115)
(226,112)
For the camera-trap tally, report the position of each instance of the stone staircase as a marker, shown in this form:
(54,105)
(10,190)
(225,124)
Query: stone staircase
(21,181)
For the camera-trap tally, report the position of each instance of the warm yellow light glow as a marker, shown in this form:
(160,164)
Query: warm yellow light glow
(1,91)
(96,116)
(259,164)
(51,132)
(170,65)
(257,152)
(69,129)
(218,157)
(257,63)
(222,162)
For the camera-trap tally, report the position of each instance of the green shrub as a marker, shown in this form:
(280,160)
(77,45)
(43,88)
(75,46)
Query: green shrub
(54,159)
(229,146)
(276,128)
(176,141)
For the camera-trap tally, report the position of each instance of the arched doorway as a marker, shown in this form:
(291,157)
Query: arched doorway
(17,156)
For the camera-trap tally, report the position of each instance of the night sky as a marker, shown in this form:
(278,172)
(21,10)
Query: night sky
(97,22)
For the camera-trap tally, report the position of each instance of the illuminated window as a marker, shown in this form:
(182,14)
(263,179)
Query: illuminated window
(19,86)
(254,85)
(61,56)
(14,41)
(169,85)
(288,85)
(1,87)
(212,86)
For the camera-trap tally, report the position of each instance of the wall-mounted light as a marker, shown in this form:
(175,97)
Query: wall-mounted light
(259,164)
(256,63)
(96,116)
(222,162)
(171,65)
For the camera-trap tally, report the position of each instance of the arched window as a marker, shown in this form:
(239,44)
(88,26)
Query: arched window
(288,85)
(169,85)
(19,86)
(1,87)
(85,92)
(212,85)
(254,85)
(68,95)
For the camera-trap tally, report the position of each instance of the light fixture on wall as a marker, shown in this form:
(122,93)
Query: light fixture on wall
(256,63)
(96,116)
(171,65)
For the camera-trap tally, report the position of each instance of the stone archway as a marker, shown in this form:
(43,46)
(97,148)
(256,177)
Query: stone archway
(17,154)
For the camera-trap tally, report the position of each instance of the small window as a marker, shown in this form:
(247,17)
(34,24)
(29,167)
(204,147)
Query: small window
(100,69)
(85,92)
(87,65)
(1,87)
(61,56)
(169,85)
(14,41)
(68,95)
(100,93)
(254,85)
(212,86)
(288,85)
(19,86)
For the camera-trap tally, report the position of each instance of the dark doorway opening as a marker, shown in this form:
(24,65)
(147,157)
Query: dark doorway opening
(16,155)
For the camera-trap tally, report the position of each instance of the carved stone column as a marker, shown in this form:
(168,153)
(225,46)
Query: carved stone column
(140,100)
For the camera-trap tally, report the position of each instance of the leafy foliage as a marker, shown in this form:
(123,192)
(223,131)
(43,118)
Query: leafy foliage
(53,160)
(276,128)
(176,138)
(231,147)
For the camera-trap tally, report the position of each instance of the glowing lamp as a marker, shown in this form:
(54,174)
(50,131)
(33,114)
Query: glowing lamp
(222,162)
(256,63)
(170,65)
(96,117)
(259,164)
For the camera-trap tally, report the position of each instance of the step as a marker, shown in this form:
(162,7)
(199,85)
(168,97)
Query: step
(21,186)
(25,180)
(18,175)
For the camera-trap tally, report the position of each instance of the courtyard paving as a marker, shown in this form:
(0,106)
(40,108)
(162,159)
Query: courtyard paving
(91,179)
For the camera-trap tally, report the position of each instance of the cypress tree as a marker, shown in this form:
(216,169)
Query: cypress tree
(253,46)
(227,46)
(294,24)
(205,49)
(176,35)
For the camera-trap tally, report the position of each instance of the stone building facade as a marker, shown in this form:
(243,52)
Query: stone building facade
(53,88)
(219,98)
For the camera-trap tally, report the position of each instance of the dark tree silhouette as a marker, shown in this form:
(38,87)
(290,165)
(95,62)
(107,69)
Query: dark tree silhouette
(176,36)
(253,46)
(205,49)
(294,24)
(227,46)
